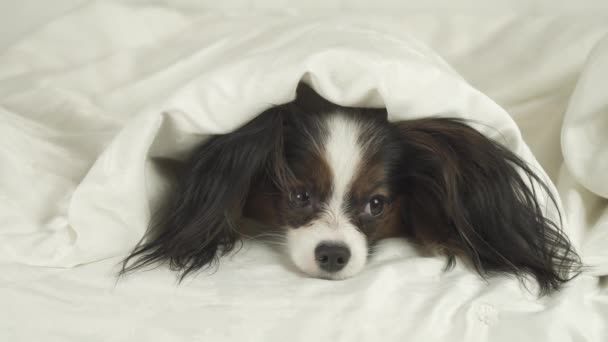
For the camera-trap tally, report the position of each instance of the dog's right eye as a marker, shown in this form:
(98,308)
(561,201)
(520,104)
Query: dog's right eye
(300,198)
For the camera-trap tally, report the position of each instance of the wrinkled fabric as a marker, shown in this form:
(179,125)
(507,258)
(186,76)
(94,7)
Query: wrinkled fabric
(90,96)
(86,132)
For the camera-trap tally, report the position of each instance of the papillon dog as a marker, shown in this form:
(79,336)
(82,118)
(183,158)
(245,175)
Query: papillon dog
(331,181)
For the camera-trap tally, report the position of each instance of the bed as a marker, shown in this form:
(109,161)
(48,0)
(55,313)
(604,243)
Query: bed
(79,80)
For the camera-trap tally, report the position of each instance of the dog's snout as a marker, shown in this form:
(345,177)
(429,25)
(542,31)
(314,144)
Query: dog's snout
(332,257)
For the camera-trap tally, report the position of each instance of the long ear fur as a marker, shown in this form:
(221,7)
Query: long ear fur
(469,196)
(197,220)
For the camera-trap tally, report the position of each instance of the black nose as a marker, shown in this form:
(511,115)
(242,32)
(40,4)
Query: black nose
(332,257)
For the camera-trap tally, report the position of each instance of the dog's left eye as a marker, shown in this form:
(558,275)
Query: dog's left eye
(375,206)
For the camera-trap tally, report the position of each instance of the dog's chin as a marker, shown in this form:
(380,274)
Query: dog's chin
(313,271)
(319,274)
(335,276)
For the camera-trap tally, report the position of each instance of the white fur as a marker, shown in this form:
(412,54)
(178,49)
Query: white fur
(302,242)
(343,154)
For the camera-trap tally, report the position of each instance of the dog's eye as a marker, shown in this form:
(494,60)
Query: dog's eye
(300,198)
(375,206)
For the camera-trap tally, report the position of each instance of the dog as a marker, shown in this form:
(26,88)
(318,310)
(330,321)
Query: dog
(330,181)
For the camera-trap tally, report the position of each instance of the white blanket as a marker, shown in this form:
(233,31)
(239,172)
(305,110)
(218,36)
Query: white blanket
(88,97)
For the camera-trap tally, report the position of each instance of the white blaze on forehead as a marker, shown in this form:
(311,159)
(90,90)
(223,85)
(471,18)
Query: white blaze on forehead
(343,154)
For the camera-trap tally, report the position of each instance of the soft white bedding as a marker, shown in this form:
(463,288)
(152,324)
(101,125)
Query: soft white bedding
(82,96)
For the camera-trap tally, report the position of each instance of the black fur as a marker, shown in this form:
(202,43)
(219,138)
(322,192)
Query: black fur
(460,191)
(198,221)
(470,196)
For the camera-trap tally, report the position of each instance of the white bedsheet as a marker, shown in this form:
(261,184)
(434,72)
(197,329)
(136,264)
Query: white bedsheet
(82,99)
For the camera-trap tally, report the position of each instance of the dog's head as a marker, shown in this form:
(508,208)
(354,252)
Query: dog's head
(329,181)
(337,198)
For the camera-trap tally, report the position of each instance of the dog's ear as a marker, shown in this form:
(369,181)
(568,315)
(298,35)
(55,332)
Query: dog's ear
(196,222)
(469,196)
(308,100)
